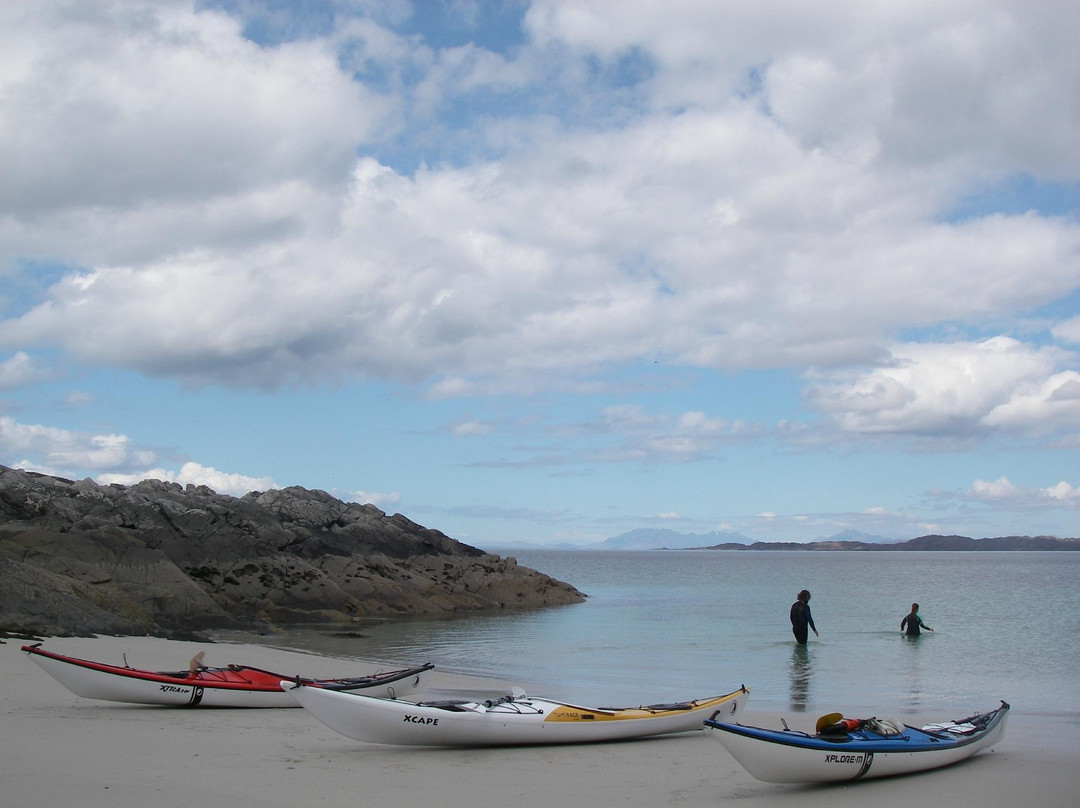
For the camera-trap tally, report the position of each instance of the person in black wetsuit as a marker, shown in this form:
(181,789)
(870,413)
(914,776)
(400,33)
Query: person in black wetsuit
(913,622)
(801,619)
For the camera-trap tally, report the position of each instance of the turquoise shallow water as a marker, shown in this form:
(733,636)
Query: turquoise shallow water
(668,625)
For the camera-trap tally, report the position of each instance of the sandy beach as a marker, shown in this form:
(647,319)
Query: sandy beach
(59,750)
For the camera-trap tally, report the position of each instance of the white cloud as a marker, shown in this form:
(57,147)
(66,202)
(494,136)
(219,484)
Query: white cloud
(687,184)
(151,99)
(1043,406)
(382,501)
(645,436)
(19,371)
(140,119)
(956,389)
(919,82)
(1068,331)
(768,213)
(1063,492)
(59,451)
(1003,493)
(110,458)
(78,398)
(999,489)
(471,427)
(195,474)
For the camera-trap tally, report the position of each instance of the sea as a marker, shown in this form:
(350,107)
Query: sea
(662,626)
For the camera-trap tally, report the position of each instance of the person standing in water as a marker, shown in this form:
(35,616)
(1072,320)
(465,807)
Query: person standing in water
(913,622)
(801,619)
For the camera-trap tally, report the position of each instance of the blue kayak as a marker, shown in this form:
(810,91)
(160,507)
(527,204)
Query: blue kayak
(850,749)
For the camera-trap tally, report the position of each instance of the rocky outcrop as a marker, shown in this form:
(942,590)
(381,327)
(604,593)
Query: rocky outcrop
(160,558)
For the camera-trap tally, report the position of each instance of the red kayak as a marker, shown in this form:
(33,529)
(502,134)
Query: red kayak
(198,686)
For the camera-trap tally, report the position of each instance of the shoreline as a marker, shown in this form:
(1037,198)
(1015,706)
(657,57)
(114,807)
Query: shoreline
(57,749)
(780,707)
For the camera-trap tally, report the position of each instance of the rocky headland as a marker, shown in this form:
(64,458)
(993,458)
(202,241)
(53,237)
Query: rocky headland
(160,558)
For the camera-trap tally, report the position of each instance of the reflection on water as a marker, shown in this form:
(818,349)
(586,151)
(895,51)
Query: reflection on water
(799,672)
(913,672)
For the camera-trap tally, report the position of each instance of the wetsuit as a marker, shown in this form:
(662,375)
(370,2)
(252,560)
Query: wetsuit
(801,619)
(913,623)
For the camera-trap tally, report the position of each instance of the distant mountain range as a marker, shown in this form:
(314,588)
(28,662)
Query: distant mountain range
(653,538)
(665,539)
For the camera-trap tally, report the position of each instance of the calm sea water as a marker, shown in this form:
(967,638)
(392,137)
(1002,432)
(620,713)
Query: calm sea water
(662,626)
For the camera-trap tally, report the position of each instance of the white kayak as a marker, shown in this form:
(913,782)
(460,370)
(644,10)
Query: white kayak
(510,720)
(852,749)
(199,686)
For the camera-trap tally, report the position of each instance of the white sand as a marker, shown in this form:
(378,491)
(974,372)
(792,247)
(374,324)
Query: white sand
(59,750)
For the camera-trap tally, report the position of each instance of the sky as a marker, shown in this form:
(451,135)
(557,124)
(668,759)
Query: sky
(551,271)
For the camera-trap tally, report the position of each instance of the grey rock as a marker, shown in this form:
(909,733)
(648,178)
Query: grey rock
(160,558)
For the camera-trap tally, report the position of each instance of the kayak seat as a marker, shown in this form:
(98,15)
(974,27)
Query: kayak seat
(884,726)
(667,708)
(453,706)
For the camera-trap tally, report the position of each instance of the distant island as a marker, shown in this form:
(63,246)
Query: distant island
(666,539)
(931,542)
